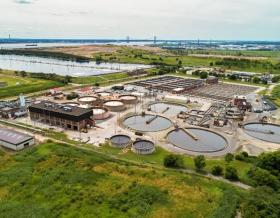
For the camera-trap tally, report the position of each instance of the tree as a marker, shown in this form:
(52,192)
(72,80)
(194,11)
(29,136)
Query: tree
(67,79)
(199,162)
(229,157)
(173,160)
(256,80)
(23,73)
(231,173)
(203,75)
(217,170)
(270,162)
(262,177)
(262,202)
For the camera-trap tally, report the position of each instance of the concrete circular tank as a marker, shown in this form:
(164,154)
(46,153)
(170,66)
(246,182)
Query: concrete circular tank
(167,108)
(197,140)
(100,113)
(147,123)
(88,100)
(103,95)
(263,131)
(129,99)
(143,147)
(115,105)
(120,141)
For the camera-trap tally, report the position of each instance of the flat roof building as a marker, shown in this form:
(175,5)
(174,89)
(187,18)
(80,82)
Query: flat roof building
(65,116)
(15,140)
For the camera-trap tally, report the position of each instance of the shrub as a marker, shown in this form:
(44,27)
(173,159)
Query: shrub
(173,160)
(270,162)
(199,162)
(229,157)
(262,177)
(231,173)
(217,170)
(262,202)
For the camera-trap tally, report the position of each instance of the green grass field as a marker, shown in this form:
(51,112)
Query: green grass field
(55,180)
(268,54)
(132,55)
(275,95)
(19,85)
(158,157)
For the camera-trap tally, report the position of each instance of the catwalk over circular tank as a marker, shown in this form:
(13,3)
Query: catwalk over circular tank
(263,131)
(197,140)
(147,123)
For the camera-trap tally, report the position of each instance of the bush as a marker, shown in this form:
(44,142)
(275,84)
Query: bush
(173,160)
(262,202)
(270,162)
(231,173)
(199,162)
(217,170)
(72,96)
(229,157)
(262,177)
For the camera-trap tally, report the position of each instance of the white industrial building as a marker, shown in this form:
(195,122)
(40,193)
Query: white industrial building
(15,140)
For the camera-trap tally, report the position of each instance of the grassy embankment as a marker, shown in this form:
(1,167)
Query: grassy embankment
(275,95)
(54,180)
(238,53)
(131,55)
(23,85)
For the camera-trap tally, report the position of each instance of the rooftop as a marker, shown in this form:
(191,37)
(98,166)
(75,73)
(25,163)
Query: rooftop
(60,108)
(13,137)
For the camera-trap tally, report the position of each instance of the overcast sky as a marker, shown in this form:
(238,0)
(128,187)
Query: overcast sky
(167,19)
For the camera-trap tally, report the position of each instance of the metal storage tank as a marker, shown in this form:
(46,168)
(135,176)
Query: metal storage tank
(115,105)
(143,147)
(100,113)
(120,141)
(129,99)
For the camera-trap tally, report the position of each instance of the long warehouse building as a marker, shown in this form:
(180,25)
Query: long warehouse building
(15,140)
(65,116)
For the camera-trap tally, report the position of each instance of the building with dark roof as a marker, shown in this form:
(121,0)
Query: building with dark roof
(15,140)
(65,116)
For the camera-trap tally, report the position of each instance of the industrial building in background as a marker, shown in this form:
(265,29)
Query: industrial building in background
(65,116)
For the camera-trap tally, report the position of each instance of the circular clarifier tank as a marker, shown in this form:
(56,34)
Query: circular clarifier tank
(88,100)
(263,131)
(197,140)
(120,141)
(167,108)
(128,99)
(143,147)
(147,123)
(115,105)
(100,113)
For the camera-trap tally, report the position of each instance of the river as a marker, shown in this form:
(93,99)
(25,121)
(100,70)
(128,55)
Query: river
(61,67)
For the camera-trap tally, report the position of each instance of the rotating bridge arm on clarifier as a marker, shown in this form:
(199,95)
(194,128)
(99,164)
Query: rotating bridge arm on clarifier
(261,131)
(166,109)
(151,119)
(190,134)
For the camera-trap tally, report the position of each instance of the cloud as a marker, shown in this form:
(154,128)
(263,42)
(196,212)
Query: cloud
(24,1)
